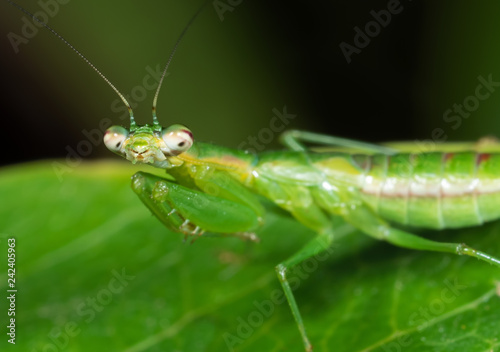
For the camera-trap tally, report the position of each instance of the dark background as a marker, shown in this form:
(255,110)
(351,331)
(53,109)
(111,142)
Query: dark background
(229,75)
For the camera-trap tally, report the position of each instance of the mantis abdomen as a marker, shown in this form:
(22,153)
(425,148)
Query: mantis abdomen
(434,190)
(426,190)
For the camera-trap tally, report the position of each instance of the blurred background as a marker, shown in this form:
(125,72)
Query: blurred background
(234,67)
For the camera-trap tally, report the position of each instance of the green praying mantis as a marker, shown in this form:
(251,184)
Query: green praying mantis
(218,190)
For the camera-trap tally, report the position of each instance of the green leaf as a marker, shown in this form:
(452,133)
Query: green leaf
(96,272)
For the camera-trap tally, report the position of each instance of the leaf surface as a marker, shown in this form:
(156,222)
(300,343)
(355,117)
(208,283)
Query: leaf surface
(95,271)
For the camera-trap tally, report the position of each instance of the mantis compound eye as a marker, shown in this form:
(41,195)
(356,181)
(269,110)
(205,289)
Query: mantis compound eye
(178,139)
(114,138)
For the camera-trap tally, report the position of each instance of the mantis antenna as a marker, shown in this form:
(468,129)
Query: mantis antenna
(156,125)
(132,121)
(133,125)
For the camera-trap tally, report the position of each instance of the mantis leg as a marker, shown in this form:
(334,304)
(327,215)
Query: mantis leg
(293,138)
(191,211)
(314,217)
(365,220)
(321,243)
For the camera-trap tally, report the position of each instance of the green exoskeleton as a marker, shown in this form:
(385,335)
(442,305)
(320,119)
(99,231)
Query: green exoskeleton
(217,189)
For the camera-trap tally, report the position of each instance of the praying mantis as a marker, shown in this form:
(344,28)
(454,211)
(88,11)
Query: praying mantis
(216,189)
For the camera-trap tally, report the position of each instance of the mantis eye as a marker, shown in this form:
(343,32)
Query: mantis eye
(114,138)
(178,139)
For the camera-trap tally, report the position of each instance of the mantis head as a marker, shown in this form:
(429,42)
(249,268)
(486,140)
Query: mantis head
(140,144)
(149,144)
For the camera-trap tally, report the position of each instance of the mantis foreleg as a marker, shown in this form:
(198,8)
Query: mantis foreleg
(192,211)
